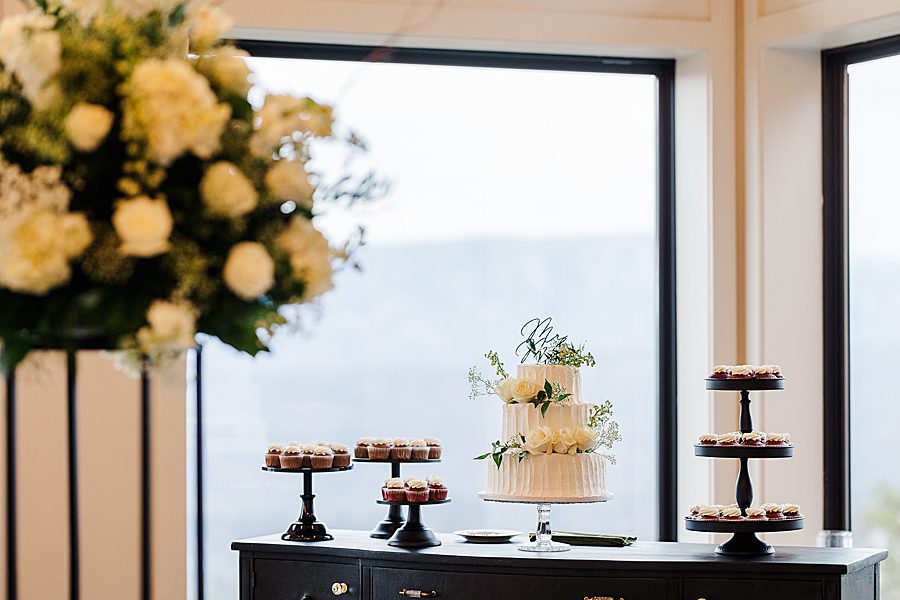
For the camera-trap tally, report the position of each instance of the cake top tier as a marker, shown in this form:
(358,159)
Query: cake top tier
(562,378)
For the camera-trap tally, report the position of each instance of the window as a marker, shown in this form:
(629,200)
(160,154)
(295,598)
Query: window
(522,186)
(862,285)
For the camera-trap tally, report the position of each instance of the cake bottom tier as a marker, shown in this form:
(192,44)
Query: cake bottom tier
(549,478)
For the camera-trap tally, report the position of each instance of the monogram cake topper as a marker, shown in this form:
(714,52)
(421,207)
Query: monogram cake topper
(539,339)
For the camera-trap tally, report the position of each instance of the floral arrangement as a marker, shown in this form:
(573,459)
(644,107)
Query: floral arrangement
(142,197)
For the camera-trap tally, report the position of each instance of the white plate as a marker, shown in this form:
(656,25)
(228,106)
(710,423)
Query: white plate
(487,536)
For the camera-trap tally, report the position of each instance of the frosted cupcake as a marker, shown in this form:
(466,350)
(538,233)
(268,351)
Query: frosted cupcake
(720,372)
(273,456)
(308,451)
(362,448)
(773,511)
(708,513)
(767,372)
(401,450)
(420,449)
(730,513)
(394,490)
(791,511)
(436,488)
(379,449)
(778,439)
(728,439)
(694,510)
(291,457)
(709,439)
(341,455)
(417,491)
(741,372)
(755,513)
(434,448)
(754,438)
(323,457)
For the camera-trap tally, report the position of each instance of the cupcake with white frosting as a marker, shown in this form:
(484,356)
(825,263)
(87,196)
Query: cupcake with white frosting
(417,490)
(755,513)
(773,511)
(709,439)
(731,513)
(708,513)
(753,438)
(778,439)
(401,449)
(308,451)
(728,439)
(379,449)
(741,372)
(436,488)
(273,456)
(791,511)
(394,490)
(419,449)
(341,455)
(720,372)
(291,457)
(322,458)
(361,450)
(434,448)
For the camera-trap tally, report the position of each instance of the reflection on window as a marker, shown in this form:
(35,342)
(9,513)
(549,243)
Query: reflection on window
(515,193)
(874,217)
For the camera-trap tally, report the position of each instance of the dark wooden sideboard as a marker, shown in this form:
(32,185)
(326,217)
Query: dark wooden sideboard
(355,566)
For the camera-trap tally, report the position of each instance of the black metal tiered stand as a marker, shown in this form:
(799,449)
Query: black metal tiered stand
(414,533)
(307,528)
(744,541)
(394,519)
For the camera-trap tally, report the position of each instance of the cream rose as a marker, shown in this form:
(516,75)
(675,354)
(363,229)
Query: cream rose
(226,191)
(506,389)
(288,180)
(144,226)
(87,125)
(585,438)
(525,391)
(564,442)
(171,327)
(249,270)
(538,441)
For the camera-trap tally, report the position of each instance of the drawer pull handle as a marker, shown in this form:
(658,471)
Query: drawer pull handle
(418,594)
(339,589)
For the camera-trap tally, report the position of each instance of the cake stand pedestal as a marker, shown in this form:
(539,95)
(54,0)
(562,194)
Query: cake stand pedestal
(394,519)
(414,533)
(544,533)
(307,528)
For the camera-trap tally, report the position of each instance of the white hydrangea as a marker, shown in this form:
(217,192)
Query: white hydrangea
(31,50)
(171,108)
(21,192)
(309,255)
(249,270)
(87,125)
(207,25)
(226,191)
(144,226)
(171,327)
(228,68)
(288,180)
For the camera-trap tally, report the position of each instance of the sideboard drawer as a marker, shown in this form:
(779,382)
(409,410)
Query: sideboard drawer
(752,589)
(304,580)
(387,584)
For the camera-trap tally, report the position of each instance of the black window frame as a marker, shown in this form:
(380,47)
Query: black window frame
(835,274)
(664,71)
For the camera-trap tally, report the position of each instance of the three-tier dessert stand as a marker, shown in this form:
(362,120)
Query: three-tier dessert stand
(307,528)
(744,541)
(394,519)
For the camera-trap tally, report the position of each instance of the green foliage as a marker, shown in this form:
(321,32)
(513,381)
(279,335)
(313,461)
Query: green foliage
(606,427)
(492,356)
(500,449)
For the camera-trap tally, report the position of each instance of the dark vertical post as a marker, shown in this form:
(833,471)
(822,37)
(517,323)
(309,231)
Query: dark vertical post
(198,380)
(146,476)
(11,546)
(72,419)
(746,418)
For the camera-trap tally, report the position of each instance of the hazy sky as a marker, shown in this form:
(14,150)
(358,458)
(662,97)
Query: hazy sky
(488,153)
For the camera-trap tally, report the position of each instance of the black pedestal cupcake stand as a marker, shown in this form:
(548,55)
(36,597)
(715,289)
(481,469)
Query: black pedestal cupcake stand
(744,541)
(307,528)
(394,519)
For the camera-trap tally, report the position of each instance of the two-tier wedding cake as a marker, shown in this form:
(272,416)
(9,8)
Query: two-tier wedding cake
(550,439)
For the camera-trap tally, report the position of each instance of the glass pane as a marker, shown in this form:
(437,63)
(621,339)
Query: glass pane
(516,193)
(874,184)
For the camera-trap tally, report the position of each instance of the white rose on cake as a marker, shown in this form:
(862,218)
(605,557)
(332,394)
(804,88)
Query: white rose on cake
(585,438)
(538,441)
(144,226)
(506,389)
(525,391)
(87,125)
(249,270)
(171,327)
(288,180)
(564,442)
(226,191)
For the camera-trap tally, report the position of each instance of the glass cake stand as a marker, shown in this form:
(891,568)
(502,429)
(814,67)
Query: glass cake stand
(543,533)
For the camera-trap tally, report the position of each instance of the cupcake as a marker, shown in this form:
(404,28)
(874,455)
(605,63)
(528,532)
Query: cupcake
(394,490)
(379,449)
(741,372)
(436,488)
(420,449)
(754,438)
(767,372)
(778,439)
(362,448)
(273,456)
(417,491)
(434,448)
(728,439)
(323,457)
(401,450)
(720,372)
(754,513)
(341,455)
(695,509)
(773,511)
(709,439)
(708,513)
(731,513)
(291,457)
(308,451)
(791,511)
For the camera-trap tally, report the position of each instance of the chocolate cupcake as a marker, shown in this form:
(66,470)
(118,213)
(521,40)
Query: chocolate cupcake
(420,449)
(434,448)
(322,458)
(341,455)
(709,439)
(753,438)
(291,457)
(273,456)
(791,511)
(362,448)
(401,449)
(728,439)
(720,372)
(731,513)
(773,511)
(417,491)
(379,449)
(436,488)
(308,451)
(754,513)
(394,490)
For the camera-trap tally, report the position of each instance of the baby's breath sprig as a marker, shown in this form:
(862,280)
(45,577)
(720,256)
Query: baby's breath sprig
(479,385)
(607,429)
